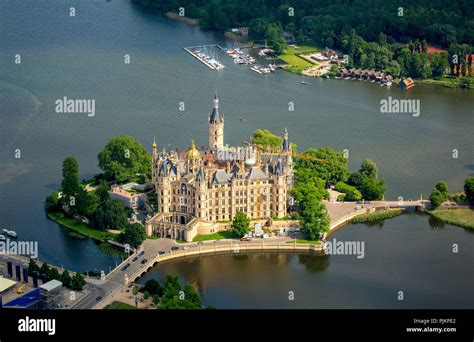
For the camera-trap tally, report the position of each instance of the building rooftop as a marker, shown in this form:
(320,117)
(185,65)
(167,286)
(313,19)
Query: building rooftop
(51,285)
(5,284)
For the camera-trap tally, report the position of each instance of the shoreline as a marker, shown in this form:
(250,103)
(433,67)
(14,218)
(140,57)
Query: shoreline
(442,214)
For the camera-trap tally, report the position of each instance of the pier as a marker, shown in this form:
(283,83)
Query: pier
(212,63)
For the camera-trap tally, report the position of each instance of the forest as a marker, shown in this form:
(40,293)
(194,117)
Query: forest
(390,36)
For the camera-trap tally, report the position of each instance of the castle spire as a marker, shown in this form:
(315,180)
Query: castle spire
(286,143)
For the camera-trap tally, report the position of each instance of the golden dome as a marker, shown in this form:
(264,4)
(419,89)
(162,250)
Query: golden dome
(193,152)
(154,142)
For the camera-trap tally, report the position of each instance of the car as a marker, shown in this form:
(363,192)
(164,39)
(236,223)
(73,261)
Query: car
(135,258)
(141,253)
(174,248)
(265,236)
(98,298)
(244,238)
(357,207)
(186,248)
(161,252)
(200,243)
(125,266)
(144,261)
(215,241)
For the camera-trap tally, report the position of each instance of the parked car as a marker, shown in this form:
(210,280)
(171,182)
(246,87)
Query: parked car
(161,252)
(144,261)
(186,248)
(98,298)
(265,236)
(141,253)
(215,241)
(174,248)
(244,238)
(125,266)
(135,258)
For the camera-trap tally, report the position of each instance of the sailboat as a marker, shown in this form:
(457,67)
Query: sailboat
(304,82)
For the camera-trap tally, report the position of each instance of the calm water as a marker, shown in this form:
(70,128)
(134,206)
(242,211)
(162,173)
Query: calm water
(82,57)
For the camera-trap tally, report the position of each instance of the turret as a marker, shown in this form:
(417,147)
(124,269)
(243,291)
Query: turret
(216,126)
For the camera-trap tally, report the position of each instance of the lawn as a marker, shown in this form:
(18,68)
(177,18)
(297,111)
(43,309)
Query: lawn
(80,227)
(459,217)
(313,242)
(226,234)
(119,306)
(297,64)
(377,216)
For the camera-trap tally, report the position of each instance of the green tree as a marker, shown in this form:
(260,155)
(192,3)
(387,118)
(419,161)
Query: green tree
(329,165)
(267,139)
(124,157)
(65,278)
(134,234)
(32,267)
(44,269)
(54,273)
(70,184)
(469,189)
(372,189)
(439,63)
(240,224)
(439,194)
(110,215)
(77,282)
(442,186)
(153,287)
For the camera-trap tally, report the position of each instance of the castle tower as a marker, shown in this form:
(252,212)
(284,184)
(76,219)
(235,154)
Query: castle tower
(286,142)
(216,126)
(154,160)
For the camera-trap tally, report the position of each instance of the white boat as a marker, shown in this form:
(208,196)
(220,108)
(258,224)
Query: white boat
(265,70)
(256,69)
(11,233)
(389,83)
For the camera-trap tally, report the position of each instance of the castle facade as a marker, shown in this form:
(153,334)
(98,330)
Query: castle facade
(199,190)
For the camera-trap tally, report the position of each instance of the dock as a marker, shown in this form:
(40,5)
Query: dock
(214,65)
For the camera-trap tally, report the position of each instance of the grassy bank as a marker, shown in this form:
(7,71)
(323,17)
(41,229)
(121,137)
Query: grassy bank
(302,241)
(79,227)
(119,306)
(296,63)
(459,217)
(377,215)
(226,234)
(186,20)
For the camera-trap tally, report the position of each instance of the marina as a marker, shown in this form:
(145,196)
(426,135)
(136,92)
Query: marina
(203,54)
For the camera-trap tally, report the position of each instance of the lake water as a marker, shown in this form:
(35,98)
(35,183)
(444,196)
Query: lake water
(82,57)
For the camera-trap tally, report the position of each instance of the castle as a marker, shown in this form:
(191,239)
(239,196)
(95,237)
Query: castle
(199,191)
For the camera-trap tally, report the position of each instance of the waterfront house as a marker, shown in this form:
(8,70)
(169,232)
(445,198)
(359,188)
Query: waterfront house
(130,200)
(406,83)
(241,31)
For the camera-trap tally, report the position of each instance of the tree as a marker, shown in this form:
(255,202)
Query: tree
(369,168)
(267,139)
(44,269)
(77,282)
(240,224)
(52,203)
(54,273)
(439,63)
(469,189)
(372,189)
(110,215)
(123,157)
(70,184)
(153,287)
(439,194)
(351,193)
(65,278)
(315,218)
(134,234)
(32,267)
(329,165)
(442,186)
